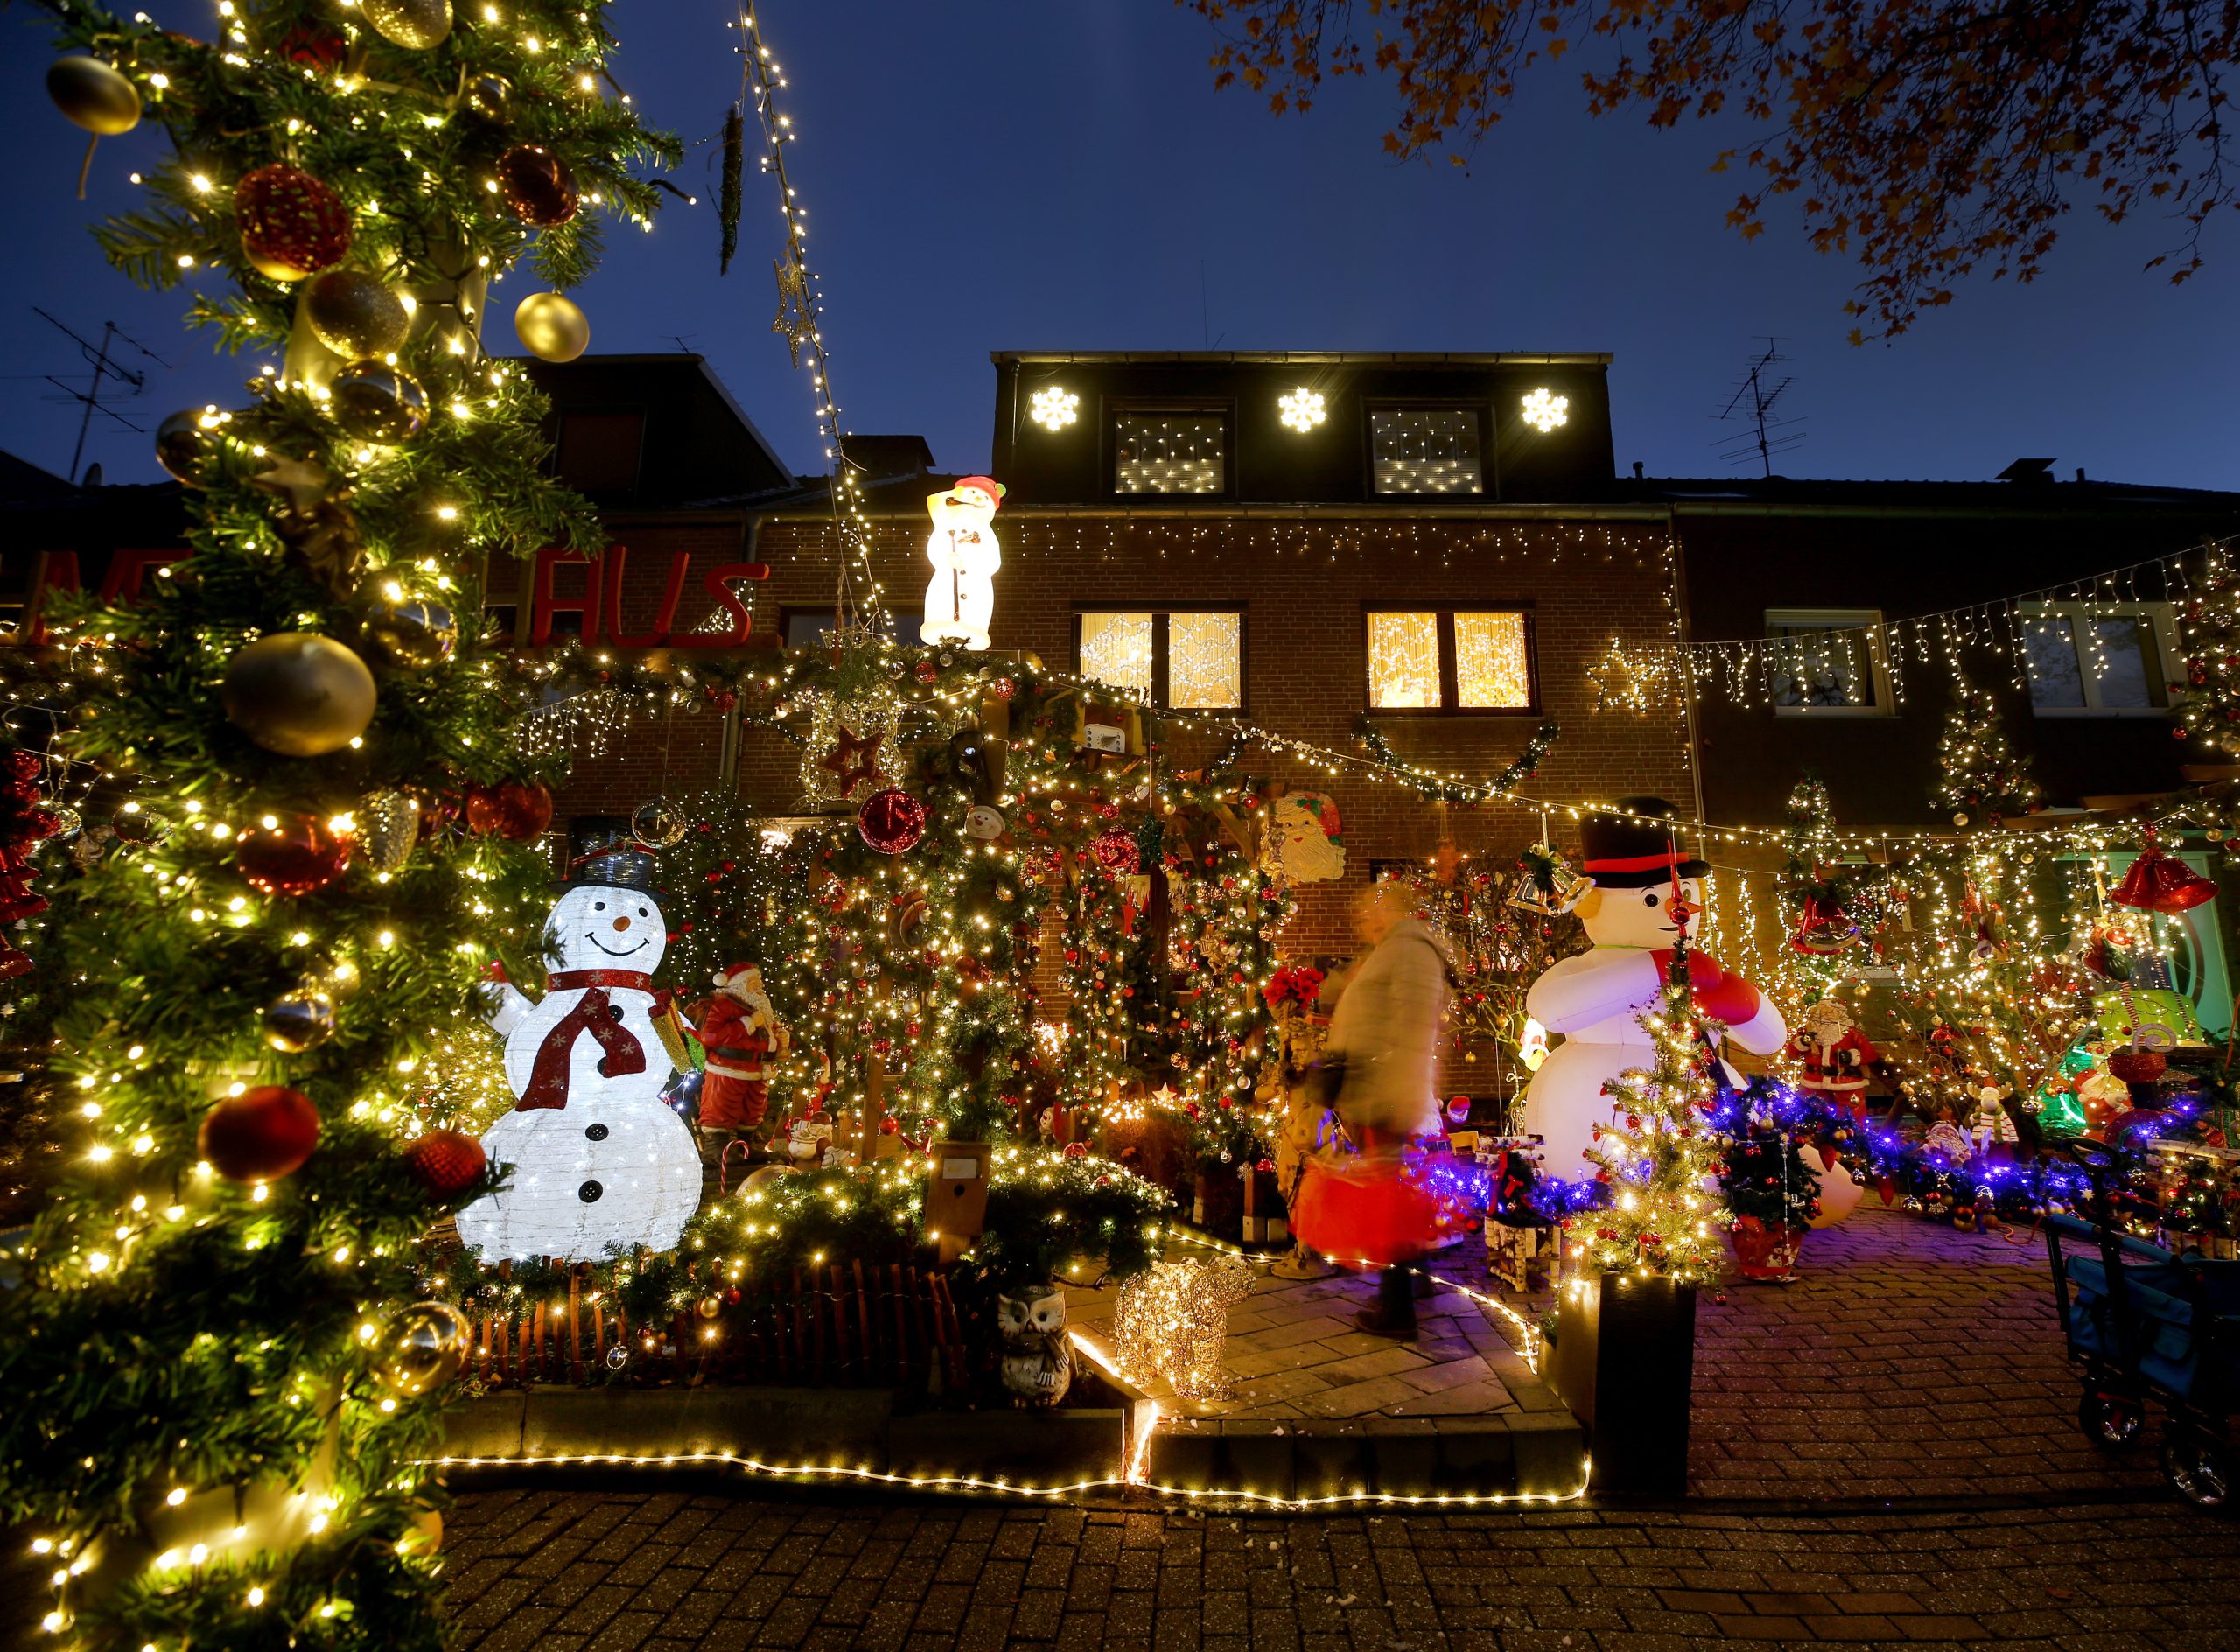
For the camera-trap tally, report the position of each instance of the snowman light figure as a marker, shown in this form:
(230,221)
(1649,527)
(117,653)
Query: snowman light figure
(961,597)
(598,1160)
(1593,999)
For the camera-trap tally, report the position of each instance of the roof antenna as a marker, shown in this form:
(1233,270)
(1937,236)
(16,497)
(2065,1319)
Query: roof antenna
(104,369)
(1752,404)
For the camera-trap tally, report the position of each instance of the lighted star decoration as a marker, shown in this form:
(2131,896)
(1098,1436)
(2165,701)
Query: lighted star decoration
(796,321)
(1302,409)
(1165,1096)
(854,759)
(1544,412)
(1627,681)
(1054,408)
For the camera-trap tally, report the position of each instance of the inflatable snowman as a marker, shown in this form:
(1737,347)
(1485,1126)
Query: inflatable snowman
(598,1160)
(961,597)
(1593,999)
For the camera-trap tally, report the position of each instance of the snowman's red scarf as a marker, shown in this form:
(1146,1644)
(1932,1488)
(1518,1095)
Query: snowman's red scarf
(548,1084)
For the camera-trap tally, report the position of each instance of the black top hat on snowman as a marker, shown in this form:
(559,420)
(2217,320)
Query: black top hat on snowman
(1633,845)
(602,850)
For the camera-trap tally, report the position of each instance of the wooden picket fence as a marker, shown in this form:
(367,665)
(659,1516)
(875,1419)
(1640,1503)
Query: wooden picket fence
(880,1328)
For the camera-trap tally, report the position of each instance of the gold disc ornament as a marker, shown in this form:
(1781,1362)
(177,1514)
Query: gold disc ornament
(422,1347)
(94,95)
(299,694)
(377,402)
(353,314)
(415,24)
(552,328)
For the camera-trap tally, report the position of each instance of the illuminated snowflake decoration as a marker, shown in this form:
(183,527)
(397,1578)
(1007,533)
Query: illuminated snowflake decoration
(1054,409)
(1302,409)
(1544,412)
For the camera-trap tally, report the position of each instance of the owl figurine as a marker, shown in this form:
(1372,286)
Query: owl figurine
(1038,1360)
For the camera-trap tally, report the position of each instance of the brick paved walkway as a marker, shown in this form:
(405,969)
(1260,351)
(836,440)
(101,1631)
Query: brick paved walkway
(587,1572)
(1909,1361)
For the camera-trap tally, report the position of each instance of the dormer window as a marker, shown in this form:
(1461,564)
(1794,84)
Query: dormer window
(1427,450)
(1158,451)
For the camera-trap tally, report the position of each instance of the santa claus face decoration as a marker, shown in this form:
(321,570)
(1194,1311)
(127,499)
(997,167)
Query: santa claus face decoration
(598,926)
(1641,917)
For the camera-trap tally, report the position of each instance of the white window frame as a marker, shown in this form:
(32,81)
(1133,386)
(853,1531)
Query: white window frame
(1866,620)
(2161,619)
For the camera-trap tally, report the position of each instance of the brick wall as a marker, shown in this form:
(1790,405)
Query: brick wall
(1305,663)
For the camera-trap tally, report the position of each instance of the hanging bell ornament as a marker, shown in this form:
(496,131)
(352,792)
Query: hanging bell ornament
(658,824)
(353,314)
(538,185)
(377,402)
(94,95)
(551,328)
(186,444)
(300,1019)
(299,694)
(292,224)
(421,1348)
(415,633)
(2158,882)
(415,24)
(1547,884)
(388,828)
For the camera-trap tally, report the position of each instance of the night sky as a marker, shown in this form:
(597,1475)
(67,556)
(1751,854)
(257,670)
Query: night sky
(986,176)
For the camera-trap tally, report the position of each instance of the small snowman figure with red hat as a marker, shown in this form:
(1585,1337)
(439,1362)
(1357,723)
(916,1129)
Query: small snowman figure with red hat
(1646,893)
(744,1039)
(961,597)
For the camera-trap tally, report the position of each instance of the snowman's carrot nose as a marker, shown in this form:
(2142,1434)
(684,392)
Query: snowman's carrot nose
(621,924)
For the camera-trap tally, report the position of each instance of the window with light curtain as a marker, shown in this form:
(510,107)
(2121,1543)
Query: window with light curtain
(1199,654)
(1425,450)
(1169,453)
(1460,660)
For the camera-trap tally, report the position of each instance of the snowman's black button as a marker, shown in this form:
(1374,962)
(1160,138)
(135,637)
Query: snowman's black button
(595,1133)
(590,1192)
(604,1071)
(614,1011)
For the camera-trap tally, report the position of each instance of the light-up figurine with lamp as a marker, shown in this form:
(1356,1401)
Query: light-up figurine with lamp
(960,596)
(598,1160)
(1594,998)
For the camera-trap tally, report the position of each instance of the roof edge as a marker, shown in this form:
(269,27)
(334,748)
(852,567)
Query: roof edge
(1316,358)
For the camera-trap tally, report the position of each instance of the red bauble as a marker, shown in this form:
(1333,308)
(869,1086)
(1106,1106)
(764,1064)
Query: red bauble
(1116,853)
(928,671)
(892,820)
(537,186)
(292,225)
(24,766)
(313,47)
(1005,687)
(1077,1149)
(298,856)
(260,1135)
(445,1162)
(516,810)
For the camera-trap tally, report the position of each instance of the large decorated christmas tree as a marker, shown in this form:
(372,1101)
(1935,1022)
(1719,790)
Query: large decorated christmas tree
(220,1374)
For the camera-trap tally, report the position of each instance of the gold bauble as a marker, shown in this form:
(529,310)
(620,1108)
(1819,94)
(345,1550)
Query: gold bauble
(552,327)
(94,95)
(415,632)
(421,1348)
(708,1307)
(416,25)
(300,1019)
(354,316)
(489,97)
(425,1535)
(299,694)
(377,402)
(186,442)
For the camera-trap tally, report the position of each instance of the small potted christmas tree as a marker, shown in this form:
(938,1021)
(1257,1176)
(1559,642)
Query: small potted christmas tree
(1773,1197)
(1624,1337)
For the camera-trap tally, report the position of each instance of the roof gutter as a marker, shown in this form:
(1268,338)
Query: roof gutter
(1655,512)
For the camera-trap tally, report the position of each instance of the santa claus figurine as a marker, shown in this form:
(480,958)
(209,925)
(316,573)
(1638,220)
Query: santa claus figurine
(744,1041)
(1836,1055)
(1595,998)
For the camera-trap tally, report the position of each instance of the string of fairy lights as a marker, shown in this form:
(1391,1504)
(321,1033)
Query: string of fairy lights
(801,318)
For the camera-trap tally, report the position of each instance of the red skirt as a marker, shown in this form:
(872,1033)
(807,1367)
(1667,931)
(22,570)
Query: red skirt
(1358,1215)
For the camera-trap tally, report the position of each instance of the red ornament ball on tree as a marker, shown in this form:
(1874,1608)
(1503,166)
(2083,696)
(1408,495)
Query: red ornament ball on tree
(1116,853)
(292,225)
(260,1135)
(445,1162)
(892,820)
(515,810)
(538,185)
(297,856)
